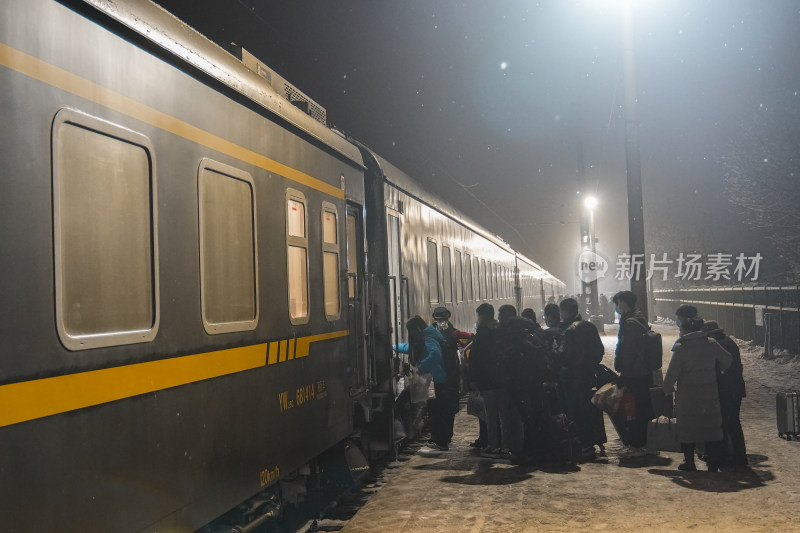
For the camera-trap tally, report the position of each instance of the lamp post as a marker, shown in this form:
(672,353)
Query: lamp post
(633,164)
(590,203)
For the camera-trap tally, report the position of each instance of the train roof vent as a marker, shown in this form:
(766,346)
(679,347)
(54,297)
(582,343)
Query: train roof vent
(283,87)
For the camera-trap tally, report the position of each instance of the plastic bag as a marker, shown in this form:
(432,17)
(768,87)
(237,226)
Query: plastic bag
(476,405)
(607,398)
(662,435)
(418,386)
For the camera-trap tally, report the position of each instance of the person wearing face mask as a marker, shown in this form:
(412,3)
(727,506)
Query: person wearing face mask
(447,395)
(684,314)
(633,372)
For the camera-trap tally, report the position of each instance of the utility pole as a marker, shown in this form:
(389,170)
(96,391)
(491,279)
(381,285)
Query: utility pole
(634,167)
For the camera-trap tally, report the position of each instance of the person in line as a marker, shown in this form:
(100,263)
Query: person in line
(425,349)
(580,351)
(633,372)
(529,313)
(731,391)
(527,371)
(484,375)
(693,368)
(684,314)
(507,351)
(552,319)
(448,393)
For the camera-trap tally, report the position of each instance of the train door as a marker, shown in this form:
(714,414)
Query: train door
(356,298)
(398,285)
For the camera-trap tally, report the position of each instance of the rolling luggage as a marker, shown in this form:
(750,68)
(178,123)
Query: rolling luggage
(787,409)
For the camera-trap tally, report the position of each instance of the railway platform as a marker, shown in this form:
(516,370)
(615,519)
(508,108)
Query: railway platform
(459,491)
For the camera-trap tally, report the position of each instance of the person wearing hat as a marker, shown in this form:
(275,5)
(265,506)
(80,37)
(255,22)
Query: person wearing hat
(730,385)
(447,394)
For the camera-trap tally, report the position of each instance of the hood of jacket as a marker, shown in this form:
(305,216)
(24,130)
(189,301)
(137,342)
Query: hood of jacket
(433,331)
(693,337)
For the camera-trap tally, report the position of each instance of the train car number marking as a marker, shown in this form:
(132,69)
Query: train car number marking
(267,476)
(284,401)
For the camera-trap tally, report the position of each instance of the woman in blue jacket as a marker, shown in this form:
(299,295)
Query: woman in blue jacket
(428,342)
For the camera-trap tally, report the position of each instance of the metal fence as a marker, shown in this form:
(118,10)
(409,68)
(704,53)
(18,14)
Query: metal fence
(748,313)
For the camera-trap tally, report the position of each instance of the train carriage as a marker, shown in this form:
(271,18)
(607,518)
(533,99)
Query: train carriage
(175,326)
(189,313)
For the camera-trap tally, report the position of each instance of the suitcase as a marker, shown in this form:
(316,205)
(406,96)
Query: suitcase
(787,409)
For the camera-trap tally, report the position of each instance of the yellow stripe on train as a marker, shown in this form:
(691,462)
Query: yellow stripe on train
(29,400)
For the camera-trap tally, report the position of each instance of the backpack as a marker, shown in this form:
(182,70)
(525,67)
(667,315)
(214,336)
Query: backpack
(653,349)
(594,351)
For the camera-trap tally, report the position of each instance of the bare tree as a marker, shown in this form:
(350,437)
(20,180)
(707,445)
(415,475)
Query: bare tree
(762,168)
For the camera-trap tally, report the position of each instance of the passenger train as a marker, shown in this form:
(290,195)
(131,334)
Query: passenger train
(201,283)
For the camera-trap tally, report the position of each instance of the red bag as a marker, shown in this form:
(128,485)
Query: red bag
(627,407)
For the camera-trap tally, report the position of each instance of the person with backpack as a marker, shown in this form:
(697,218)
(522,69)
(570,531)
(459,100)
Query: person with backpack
(579,352)
(425,345)
(498,401)
(635,375)
(526,356)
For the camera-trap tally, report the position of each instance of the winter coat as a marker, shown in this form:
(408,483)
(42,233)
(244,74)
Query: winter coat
(629,360)
(433,361)
(484,367)
(580,350)
(694,368)
(731,381)
(523,354)
(450,353)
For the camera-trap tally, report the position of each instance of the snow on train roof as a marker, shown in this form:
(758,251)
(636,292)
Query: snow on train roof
(403,181)
(173,35)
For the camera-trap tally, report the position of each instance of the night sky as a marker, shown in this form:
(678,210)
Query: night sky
(490,103)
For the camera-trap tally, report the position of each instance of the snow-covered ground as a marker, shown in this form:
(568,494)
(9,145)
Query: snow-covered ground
(458,491)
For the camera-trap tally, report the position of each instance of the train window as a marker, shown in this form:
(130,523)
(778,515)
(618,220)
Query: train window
(489,277)
(467,277)
(459,278)
(352,257)
(297,256)
(476,277)
(330,261)
(482,280)
(447,273)
(433,272)
(105,233)
(228,261)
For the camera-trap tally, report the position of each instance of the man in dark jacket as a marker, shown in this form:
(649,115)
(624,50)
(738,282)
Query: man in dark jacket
(579,351)
(524,352)
(480,363)
(448,394)
(730,385)
(633,372)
